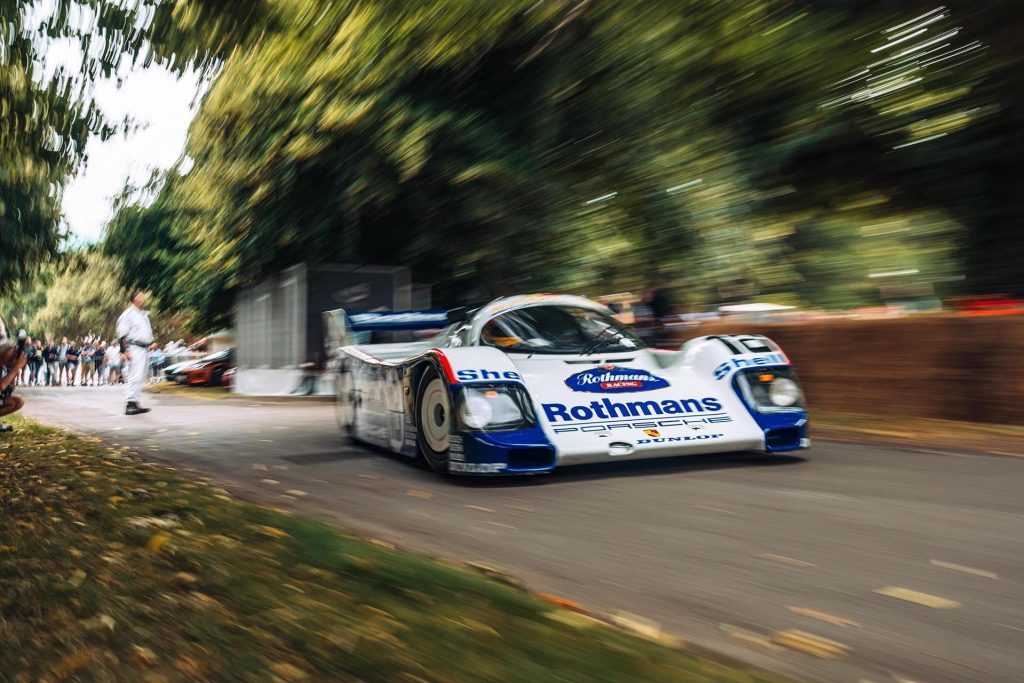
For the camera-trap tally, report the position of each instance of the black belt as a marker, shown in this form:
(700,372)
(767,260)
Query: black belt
(138,343)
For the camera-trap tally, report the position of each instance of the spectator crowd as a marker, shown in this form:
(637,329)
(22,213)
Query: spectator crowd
(90,361)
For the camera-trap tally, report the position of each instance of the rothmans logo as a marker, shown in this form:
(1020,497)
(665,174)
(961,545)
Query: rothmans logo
(610,379)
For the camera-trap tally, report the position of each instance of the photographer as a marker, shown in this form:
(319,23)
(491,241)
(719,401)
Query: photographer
(12,360)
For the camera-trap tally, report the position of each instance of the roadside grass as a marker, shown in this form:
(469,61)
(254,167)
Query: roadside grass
(112,569)
(919,432)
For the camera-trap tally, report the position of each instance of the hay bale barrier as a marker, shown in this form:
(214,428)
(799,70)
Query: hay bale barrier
(939,367)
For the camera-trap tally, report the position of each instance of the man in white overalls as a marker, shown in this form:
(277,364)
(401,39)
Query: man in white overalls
(135,334)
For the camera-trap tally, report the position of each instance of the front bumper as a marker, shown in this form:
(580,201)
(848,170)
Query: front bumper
(500,453)
(513,453)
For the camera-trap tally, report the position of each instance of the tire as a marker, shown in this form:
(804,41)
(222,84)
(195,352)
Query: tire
(218,377)
(433,420)
(344,405)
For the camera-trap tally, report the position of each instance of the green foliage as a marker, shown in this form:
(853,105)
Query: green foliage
(47,116)
(577,145)
(85,295)
(574,144)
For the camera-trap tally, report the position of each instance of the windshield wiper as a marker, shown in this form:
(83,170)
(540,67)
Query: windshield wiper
(600,340)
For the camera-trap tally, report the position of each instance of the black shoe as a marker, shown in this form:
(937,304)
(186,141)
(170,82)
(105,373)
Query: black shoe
(134,408)
(6,428)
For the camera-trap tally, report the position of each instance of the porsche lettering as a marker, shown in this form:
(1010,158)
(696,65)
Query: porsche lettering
(643,424)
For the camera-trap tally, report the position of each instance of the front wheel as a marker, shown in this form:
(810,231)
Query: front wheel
(434,420)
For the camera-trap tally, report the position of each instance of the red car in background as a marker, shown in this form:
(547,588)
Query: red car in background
(989,305)
(207,370)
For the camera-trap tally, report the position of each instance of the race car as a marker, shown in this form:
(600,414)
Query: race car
(529,383)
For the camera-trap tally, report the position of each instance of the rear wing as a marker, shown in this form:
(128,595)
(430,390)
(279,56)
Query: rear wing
(345,329)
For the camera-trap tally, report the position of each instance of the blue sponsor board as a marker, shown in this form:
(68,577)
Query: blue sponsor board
(606,409)
(610,379)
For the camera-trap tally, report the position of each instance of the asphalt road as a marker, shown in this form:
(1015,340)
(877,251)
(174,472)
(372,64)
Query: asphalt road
(910,561)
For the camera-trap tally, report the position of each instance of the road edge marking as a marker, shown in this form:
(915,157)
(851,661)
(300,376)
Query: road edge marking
(964,569)
(811,644)
(918,598)
(826,617)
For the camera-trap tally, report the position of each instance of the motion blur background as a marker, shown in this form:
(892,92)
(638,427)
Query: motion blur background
(832,156)
(846,176)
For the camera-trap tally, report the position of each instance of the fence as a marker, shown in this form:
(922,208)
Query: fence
(944,367)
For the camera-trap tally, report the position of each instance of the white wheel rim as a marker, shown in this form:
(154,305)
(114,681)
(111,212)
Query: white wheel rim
(435,416)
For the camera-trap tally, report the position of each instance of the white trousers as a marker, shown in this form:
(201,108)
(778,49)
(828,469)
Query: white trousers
(135,372)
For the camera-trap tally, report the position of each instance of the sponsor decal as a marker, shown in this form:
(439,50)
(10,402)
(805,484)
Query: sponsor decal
(673,439)
(645,424)
(606,409)
(484,375)
(455,447)
(610,379)
(399,320)
(477,467)
(652,433)
(725,369)
(409,430)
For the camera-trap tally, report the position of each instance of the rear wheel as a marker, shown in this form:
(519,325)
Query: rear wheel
(434,420)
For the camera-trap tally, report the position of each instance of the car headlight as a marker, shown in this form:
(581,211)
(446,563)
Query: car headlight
(476,412)
(495,408)
(770,390)
(784,392)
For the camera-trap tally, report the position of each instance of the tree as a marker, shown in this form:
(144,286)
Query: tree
(47,117)
(87,296)
(483,148)
(590,145)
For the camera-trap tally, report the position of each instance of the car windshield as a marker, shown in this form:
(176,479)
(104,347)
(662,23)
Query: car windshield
(557,329)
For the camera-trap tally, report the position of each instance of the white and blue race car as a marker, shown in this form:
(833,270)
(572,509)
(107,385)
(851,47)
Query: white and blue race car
(529,383)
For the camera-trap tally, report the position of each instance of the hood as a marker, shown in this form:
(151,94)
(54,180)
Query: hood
(630,403)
